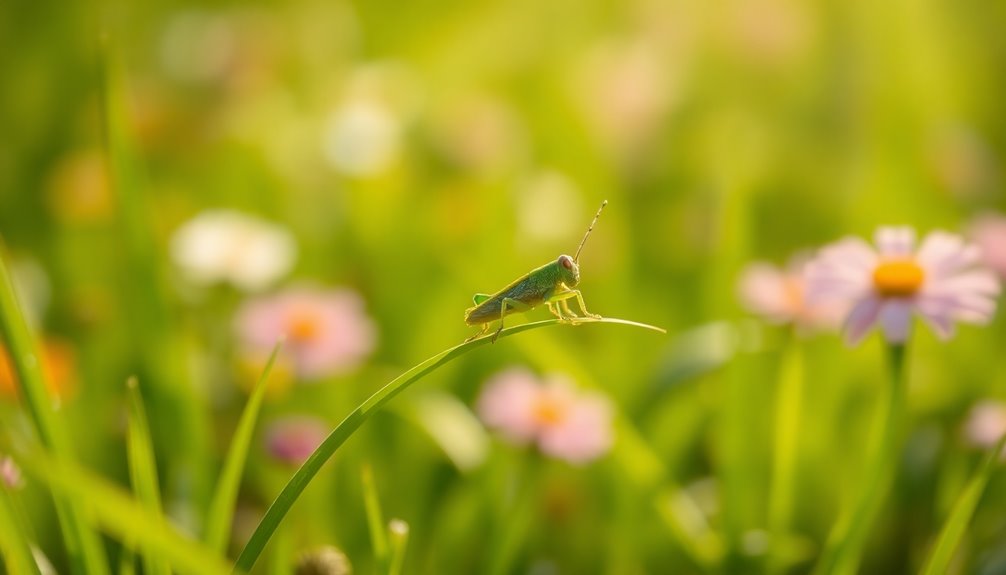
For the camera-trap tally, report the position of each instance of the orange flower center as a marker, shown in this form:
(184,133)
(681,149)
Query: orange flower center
(898,278)
(302,326)
(548,411)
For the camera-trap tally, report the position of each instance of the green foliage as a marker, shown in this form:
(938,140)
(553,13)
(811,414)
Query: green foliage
(413,154)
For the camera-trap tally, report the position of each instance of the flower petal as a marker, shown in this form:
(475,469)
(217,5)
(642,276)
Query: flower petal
(896,319)
(943,254)
(861,319)
(895,241)
(507,404)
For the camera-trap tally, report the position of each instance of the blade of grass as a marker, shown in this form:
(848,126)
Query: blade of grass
(398,534)
(122,516)
(15,550)
(221,512)
(143,468)
(82,544)
(846,540)
(375,520)
(281,505)
(957,523)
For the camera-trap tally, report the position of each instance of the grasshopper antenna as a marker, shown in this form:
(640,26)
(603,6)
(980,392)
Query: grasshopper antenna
(576,258)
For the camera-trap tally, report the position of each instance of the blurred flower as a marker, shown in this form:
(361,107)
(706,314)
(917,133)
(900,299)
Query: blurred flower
(363,134)
(58,365)
(228,246)
(988,232)
(361,138)
(293,439)
(939,281)
(986,424)
(327,331)
(962,162)
(769,32)
(779,295)
(326,560)
(79,189)
(10,473)
(624,90)
(479,132)
(565,423)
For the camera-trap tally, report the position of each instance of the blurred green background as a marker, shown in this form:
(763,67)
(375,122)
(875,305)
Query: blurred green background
(421,152)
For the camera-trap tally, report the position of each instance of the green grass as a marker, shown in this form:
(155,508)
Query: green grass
(300,480)
(221,511)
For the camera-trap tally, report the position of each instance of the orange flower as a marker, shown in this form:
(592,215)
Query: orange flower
(58,361)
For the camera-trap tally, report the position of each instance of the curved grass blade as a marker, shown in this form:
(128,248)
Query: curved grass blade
(15,550)
(953,530)
(122,516)
(143,468)
(82,544)
(281,505)
(218,519)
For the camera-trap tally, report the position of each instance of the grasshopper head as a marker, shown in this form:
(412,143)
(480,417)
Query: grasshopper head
(569,272)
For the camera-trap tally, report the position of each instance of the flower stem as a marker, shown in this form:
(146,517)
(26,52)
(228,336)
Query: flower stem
(845,544)
(789,397)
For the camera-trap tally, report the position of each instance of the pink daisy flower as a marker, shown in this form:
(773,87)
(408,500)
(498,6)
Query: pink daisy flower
(565,423)
(937,280)
(293,439)
(328,333)
(779,296)
(988,232)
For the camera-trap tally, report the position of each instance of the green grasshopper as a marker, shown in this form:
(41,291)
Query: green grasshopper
(551,284)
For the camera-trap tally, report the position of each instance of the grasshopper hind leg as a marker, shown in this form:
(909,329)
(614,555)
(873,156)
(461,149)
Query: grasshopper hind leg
(509,303)
(560,300)
(481,332)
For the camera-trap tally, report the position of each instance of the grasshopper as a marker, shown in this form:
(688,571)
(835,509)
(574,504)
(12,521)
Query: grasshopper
(551,284)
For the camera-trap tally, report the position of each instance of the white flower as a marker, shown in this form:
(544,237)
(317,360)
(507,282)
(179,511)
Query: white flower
(362,138)
(228,246)
(938,281)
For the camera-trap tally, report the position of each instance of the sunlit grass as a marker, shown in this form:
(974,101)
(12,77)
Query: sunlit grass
(282,504)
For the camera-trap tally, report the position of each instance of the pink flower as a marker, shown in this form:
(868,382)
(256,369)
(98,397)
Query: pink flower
(327,331)
(779,295)
(565,423)
(10,473)
(986,423)
(988,232)
(938,281)
(293,439)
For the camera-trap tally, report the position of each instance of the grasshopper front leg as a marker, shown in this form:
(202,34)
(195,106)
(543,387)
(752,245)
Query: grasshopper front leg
(561,298)
(514,304)
(554,310)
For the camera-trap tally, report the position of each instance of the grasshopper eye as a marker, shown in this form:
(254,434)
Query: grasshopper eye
(566,262)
